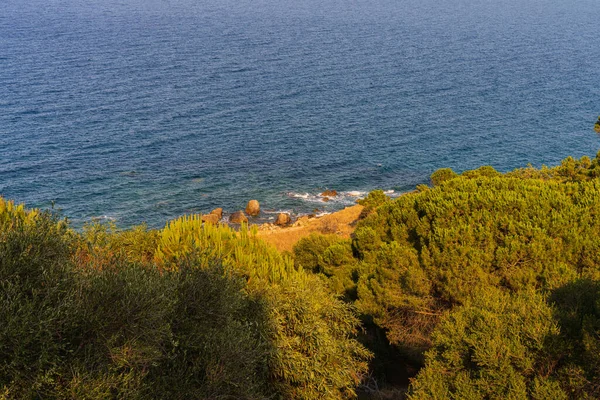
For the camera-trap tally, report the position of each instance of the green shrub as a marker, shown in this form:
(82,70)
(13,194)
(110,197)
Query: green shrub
(125,331)
(570,169)
(578,313)
(218,344)
(424,254)
(309,253)
(332,258)
(492,347)
(373,200)
(102,246)
(442,175)
(485,171)
(36,300)
(123,317)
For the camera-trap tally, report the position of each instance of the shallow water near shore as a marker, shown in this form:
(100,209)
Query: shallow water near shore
(143,110)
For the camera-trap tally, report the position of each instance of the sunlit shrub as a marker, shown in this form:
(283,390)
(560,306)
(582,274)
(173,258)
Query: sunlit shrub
(315,354)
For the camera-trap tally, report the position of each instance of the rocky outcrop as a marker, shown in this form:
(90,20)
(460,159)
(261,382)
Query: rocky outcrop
(238,217)
(283,219)
(218,212)
(329,193)
(211,219)
(253,208)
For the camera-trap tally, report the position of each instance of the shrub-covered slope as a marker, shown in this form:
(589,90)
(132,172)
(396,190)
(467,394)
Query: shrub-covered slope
(489,282)
(189,311)
(458,268)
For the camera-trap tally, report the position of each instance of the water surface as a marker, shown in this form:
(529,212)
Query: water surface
(142,110)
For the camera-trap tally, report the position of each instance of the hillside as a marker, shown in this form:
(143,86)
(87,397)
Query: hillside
(481,286)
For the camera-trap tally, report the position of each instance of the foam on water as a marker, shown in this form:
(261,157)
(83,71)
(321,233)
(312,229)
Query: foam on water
(277,212)
(356,193)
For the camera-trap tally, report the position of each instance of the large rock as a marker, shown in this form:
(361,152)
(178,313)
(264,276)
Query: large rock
(283,219)
(253,208)
(329,193)
(238,217)
(211,219)
(218,212)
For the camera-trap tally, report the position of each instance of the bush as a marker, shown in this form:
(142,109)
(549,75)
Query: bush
(309,252)
(373,200)
(442,175)
(578,313)
(570,169)
(219,344)
(501,345)
(485,171)
(332,258)
(492,347)
(103,246)
(36,300)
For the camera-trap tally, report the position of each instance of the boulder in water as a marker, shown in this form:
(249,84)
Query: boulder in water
(211,219)
(253,208)
(329,193)
(238,217)
(283,219)
(218,212)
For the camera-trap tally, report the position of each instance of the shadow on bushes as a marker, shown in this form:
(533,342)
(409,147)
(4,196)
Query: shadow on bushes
(125,332)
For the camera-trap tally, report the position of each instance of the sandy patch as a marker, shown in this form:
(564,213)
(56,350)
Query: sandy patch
(341,223)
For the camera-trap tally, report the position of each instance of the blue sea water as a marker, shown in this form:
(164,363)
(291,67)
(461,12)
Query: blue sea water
(143,110)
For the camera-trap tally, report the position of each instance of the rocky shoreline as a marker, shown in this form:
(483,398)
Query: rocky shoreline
(288,229)
(253,209)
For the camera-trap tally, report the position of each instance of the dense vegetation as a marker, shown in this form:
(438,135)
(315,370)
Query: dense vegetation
(487,281)
(487,285)
(190,311)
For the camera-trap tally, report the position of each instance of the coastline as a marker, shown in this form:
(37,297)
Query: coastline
(341,223)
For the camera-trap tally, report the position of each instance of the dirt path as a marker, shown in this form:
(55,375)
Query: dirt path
(341,223)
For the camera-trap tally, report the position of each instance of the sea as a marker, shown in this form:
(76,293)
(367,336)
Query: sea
(139,111)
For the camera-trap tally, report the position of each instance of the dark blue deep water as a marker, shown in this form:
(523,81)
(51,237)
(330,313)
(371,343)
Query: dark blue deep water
(142,110)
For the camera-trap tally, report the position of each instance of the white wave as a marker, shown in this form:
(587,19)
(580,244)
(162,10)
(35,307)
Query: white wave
(355,193)
(299,195)
(395,194)
(278,212)
(312,198)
